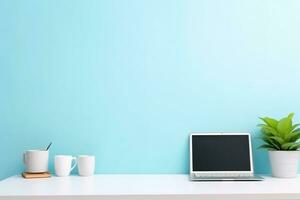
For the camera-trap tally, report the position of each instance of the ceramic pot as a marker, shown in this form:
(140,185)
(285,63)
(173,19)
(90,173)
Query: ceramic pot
(284,164)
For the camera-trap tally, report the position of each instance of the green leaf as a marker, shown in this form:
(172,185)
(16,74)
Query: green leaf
(271,142)
(296,130)
(274,144)
(295,126)
(278,139)
(295,146)
(284,126)
(269,130)
(293,137)
(290,116)
(270,121)
(288,145)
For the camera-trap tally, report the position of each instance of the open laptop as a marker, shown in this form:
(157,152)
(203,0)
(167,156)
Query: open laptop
(221,156)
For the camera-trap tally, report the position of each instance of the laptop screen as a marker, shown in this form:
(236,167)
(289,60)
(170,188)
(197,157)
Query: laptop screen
(221,153)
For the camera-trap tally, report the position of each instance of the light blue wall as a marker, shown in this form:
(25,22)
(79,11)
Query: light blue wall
(128,80)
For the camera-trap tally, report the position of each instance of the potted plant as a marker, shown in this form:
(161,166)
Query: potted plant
(281,138)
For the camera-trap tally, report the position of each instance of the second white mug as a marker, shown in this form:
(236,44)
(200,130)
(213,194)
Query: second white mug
(63,165)
(86,165)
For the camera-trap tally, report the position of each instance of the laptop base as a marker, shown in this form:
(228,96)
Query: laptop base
(246,178)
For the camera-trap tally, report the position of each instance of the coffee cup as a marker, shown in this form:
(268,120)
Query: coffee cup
(36,161)
(63,165)
(86,165)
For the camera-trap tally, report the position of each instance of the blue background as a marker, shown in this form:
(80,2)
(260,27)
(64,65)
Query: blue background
(128,80)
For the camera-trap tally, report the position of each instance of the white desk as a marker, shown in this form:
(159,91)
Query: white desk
(145,187)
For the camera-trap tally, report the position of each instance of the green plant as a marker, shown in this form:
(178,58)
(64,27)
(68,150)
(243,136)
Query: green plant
(281,134)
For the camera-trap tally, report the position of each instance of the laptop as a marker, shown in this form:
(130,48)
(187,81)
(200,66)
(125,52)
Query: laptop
(221,156)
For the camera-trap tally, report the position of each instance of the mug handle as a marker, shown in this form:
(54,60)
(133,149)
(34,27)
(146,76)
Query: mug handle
(75,163)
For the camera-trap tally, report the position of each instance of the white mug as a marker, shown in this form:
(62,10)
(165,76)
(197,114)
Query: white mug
(36,161)
(86,165)
(63,165)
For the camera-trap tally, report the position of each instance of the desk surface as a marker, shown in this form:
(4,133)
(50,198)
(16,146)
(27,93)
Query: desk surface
(146,187)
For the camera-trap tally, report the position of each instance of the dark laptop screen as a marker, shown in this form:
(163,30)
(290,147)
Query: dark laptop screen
(221,153)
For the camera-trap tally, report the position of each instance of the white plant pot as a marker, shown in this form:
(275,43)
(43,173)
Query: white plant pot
(284,164)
